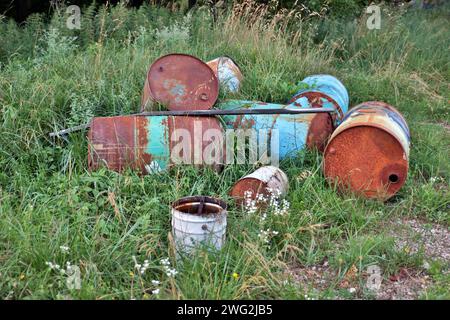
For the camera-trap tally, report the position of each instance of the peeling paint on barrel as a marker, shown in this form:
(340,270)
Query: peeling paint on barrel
(368,153)
(325,91)
(180,82)
(268,181)
(228,73)
(145,143)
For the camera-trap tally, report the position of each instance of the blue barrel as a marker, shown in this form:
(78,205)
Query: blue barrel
(294,131)
(323,90)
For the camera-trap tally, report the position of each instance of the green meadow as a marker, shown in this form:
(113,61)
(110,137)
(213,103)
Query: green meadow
(53,211)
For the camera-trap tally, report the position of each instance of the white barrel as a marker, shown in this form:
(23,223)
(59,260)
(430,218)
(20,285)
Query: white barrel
(198,221)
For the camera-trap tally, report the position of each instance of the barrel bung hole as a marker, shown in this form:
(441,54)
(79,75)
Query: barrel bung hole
(393,178)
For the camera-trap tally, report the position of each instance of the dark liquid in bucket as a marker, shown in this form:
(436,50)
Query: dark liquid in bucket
(195,208)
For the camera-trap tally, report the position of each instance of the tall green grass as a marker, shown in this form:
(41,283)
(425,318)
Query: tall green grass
(52,77)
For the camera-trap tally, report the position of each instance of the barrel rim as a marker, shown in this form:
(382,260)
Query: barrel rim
(191,199)
(381,104)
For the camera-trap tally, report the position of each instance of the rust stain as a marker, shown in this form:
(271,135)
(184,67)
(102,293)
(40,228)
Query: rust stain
(320,130)
(316,98)
(259,183)
(254,185)
(203,124)
(111,143)
(367,157)
(143,158)
(243,122)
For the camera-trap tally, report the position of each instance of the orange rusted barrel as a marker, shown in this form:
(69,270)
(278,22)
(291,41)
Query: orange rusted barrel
(368,153)
(180,82)
(228,73)
(154,143)
(268,181)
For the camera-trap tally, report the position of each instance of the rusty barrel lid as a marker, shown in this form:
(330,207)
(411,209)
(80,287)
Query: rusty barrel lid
(182,82)
(368,153)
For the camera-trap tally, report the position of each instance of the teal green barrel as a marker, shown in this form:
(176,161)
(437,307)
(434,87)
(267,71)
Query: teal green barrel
(295,132)
(323,90)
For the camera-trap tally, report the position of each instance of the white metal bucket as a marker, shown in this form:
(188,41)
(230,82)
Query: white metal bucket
(198,221)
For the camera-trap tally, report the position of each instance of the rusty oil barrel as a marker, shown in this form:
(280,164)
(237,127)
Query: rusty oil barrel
(268,181)
(323,90)
(368,153)
(180,82)
(228,73)
(149,143)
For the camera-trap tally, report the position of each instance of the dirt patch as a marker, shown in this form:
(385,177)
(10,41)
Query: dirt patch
(411,235)
(317,277)
(406,285)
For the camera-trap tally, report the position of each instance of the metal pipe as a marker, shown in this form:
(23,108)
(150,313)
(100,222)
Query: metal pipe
(213,112)
(70,130)
(231,112)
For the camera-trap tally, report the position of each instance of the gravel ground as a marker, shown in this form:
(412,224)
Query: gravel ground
(411,235)
(406,285)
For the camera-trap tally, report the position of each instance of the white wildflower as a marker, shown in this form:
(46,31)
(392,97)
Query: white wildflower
(141,268)
(170,272)
(165,262)
(249,203)
(64,249)
(156,291)
(266,235)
